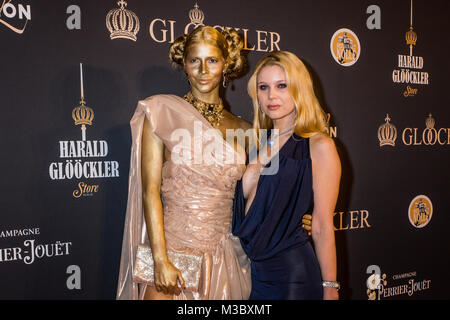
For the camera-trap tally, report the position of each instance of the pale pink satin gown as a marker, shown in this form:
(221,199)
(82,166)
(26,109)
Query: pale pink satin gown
(197,197)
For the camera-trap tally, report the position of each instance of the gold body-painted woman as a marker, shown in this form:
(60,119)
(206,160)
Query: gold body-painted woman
(174,205)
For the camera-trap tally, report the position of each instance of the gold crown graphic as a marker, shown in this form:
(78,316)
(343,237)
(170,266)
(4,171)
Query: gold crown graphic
(430,122)
(387,133)
(82,114)
(122,23)
(411,37)
(196,15)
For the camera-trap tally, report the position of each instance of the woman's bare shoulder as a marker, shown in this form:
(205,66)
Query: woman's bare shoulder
(322,145)
(236,122)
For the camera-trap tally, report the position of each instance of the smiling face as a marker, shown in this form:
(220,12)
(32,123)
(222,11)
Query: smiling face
(273,94)
(204,65)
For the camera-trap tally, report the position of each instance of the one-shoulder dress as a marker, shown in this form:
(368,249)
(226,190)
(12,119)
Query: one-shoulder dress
(197,194)
(283,263)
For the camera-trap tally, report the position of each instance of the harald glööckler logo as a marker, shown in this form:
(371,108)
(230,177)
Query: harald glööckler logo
(75,150)
(428,136)
(164,30)
(407,64)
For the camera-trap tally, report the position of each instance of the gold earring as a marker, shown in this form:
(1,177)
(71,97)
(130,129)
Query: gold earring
(225,81)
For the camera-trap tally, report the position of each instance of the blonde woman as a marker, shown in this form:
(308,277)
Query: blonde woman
(269,208)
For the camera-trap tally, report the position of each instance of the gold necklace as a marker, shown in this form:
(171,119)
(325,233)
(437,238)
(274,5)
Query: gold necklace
(213,113)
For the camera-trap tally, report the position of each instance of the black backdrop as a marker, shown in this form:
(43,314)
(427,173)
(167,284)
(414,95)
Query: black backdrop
(55,243)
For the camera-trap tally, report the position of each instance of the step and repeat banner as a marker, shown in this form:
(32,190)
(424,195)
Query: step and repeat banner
(72,72)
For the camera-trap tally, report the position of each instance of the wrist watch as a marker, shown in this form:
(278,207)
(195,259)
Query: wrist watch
(332,284)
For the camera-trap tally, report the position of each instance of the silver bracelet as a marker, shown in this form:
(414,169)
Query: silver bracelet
(332,284)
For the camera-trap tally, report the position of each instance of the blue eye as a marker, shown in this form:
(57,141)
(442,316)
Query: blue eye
(213,60)
(282,85)
(262,87)
(193,60)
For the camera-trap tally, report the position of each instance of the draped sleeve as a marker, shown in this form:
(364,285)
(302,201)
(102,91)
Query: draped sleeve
(161,111)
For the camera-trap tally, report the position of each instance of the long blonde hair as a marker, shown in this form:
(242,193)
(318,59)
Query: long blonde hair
(310,117)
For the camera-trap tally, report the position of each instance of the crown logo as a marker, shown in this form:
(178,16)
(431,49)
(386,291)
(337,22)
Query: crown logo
(122,23)
(387,133)
(82,114)
(430,122)
(196,15)
(411,36)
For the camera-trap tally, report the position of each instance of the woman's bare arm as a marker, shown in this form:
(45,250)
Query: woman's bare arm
(326,170)
(152,158)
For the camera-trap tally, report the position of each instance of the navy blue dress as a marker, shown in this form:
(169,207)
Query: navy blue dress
(283,263)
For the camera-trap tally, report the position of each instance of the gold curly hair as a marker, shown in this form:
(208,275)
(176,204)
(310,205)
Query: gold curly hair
(228,41)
